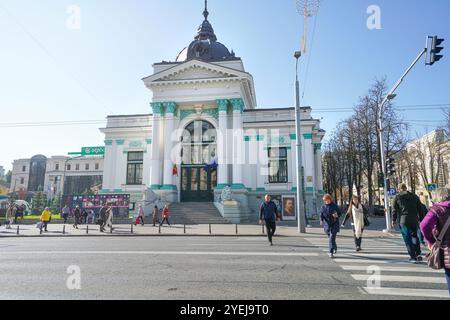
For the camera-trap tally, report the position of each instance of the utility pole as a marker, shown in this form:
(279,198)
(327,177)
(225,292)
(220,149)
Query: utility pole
(299,172)
(390,96)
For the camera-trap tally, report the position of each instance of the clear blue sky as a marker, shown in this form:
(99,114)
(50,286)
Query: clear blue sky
(51,73)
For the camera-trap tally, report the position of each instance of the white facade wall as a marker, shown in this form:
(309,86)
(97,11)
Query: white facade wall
(20,175)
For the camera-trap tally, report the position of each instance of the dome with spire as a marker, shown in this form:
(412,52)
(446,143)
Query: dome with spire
(205,46)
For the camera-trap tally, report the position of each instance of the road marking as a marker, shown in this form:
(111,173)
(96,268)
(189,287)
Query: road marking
(393,269)
(437,280)
(371,261)
(201,253)
(424,293)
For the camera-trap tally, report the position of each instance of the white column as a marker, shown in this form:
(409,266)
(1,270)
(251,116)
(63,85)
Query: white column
(155,163)
(238,142)
(108,166)
(168,145)
(121,165)
(318,166)
(222,144)
(147,161)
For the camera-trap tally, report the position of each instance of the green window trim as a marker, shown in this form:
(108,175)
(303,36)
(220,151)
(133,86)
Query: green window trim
(308,136)
(247,138)
(259,138)
(157,108)
(238,104)
(120,142)
(293,136)
(108,142)
(149,141)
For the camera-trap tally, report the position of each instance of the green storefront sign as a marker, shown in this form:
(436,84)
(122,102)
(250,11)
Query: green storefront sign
(93,151)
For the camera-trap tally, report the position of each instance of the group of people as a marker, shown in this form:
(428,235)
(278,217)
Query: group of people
(416,224)
(13,212)
(155,216)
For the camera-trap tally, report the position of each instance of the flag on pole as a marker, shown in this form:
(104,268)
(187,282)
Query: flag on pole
(175,170)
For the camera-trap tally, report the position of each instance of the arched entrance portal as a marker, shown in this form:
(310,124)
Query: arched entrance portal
(198,168)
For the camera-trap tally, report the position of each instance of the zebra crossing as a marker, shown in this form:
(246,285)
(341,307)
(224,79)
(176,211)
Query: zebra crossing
(382,268)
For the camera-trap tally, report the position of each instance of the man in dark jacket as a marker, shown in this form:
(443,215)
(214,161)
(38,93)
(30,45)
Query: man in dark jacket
(329,219)
(269,213)
(407,212)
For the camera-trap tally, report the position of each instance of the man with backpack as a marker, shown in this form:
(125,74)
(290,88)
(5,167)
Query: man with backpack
(407,212)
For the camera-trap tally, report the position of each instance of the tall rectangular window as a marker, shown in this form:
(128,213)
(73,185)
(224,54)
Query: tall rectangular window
(135,166)
(97,166)
(22,180)
(86,167)
(77,167)
(278,167)
(57,166)
(69,167)
(24,168)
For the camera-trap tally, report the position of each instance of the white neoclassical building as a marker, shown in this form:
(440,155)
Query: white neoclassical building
(206,135)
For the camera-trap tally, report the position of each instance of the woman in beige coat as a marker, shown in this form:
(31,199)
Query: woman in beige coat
(356,212)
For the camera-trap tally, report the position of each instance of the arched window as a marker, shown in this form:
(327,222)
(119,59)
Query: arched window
(199,143)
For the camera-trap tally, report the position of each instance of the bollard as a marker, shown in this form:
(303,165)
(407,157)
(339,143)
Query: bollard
(131,228)
(236,229)
(87,229)
(262,228)
(17,230)
(110,229)
(184,229)
(40,231)
(159,231)
(210,228)
(64,229)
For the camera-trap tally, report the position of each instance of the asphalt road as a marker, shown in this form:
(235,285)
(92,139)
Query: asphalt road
(198,268)
(170,268)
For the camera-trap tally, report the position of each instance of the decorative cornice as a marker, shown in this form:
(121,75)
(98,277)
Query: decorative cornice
(212,112)
(186,113)
(108,142)
(308,136)
(120,142)
(171,107)
(238,104)
(157,108)
(148,141)
(222,105)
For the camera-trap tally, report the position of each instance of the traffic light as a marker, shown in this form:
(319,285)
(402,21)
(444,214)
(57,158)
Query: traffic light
(381,180)
(435,49)
(390,166)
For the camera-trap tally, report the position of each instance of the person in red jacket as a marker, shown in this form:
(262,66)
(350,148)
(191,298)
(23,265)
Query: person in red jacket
(165,215)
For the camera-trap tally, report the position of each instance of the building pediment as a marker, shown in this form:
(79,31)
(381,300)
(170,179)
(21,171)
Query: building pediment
(193,71)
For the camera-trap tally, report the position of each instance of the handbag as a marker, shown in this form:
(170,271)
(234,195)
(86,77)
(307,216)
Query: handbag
(435,259)
(39,225)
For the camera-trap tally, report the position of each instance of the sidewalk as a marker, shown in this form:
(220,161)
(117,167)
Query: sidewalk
(59,230)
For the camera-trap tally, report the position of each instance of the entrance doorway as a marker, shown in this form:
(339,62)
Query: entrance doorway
(197,184)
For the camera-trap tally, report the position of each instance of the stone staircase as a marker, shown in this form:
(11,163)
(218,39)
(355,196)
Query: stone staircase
(195,213)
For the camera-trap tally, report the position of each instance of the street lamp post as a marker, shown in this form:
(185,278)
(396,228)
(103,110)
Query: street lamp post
(299,172)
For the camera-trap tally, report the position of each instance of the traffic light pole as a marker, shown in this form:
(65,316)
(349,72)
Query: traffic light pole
(389,97)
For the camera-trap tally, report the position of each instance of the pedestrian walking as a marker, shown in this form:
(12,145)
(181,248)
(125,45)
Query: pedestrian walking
(419,233)
(46,216)
(19,213)
(109,217)
(140,216)
(356,212)
(155,216)
(77,217)
(103,217)
(329,219)
(407,211)
(65,213)
(165,215)
(268,215)
(433,224)
(84,216)
(10,213)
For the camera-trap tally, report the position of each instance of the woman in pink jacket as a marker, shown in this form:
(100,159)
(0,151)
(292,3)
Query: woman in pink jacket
(432,225)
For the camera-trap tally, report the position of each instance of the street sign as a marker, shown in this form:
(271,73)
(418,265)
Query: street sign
(431,187)
(392,192)
(93,151)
